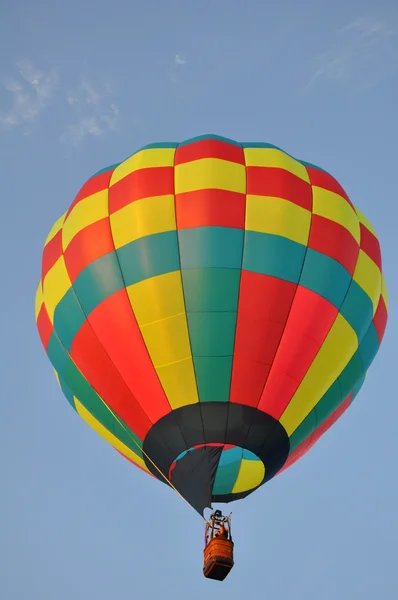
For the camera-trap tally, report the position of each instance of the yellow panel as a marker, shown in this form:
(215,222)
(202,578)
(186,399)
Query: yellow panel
(277,216)
(179,383)
(251,473)
(144,159)
(107,435)
(384,291)
(210,173)
(272,157)
(335,353)
(143,217)
(84,213)
(157,298)
(56,284)
(368,275)
(55,228)
(38,299)
(336,208)
(363,219)
(167,341)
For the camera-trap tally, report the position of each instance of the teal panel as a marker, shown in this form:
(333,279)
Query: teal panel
(328,403)
(213,377)
(247,455)
(273,255)
(149,256)
(211,247)
(68,318)
(99,280)
(182,454)
(227,472)
(231,456)
(212,333)
(259,145)
(357,309)
(369,347)
(67,392)
(57,355)
(211,290)
(303,431)
(352,373)
(106,169)
(357,387)
(226,478)
(325,276)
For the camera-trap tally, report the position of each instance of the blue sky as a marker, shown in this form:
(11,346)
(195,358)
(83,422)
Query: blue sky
(83,85)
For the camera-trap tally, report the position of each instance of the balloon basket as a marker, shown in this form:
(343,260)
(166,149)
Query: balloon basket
(218,559)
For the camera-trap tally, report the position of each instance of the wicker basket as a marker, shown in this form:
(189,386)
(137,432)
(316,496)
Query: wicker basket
(218,558)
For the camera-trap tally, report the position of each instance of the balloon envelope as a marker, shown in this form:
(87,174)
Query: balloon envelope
(211,308)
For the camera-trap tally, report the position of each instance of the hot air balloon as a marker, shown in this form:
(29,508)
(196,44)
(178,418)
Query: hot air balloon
(211,308)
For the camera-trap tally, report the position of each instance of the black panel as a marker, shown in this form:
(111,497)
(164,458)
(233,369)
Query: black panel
(176,438)
(189,421)
(272,448)
(214,418)
(197,489)
(225,498)
(224,423)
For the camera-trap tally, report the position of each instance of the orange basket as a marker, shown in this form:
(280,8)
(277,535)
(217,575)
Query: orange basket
(218,558)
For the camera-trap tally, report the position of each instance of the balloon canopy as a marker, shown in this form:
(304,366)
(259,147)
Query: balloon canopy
(211,308)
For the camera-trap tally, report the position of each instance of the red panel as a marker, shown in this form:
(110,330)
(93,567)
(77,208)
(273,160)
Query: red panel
(144,183)
(258,337)
(116,328)
(327,182)
(309,322)
(88,245)
(209,149)
(92,186)
(271,181)
(370,245)
(171,469)
(98,368)
(308,443)
(264,304)
(248,379)
(44,326)
(203,208)
(380,319)
(335,241)
(51,253)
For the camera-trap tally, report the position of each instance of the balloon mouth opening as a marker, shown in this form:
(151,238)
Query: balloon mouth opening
(210,450)
(238,470)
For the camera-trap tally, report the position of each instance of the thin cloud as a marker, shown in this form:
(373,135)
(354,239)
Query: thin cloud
(95,113)
(361,54)
(180,59)
(177,68)
(31,92)
(371,29)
